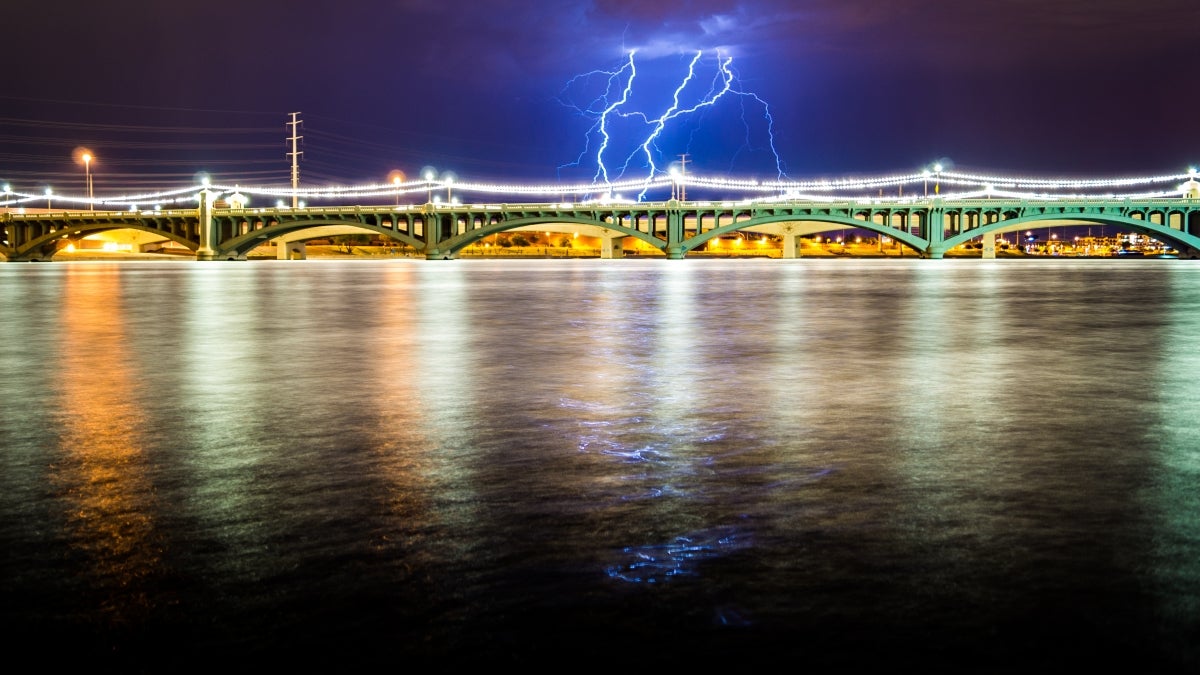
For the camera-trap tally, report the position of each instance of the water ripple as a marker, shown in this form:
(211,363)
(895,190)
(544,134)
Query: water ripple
(679,557)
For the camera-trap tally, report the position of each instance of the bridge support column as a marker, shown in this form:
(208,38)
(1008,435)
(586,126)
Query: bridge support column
(989,245)
(205,227)
(675,233)
(935,230)
(434,222)
(612,247)
(791,245)
(291,250)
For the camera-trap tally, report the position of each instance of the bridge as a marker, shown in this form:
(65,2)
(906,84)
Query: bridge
(930,226)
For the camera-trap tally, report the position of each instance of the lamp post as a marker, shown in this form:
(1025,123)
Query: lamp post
(683,160)
(397,178)
(448,179)
(49,192)
(937,175)
(429,174)
(87,175)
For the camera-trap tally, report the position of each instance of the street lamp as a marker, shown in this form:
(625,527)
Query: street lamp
(448,179)
(937,174)
(429,174)
(397,178)
(49,192)
(87,174)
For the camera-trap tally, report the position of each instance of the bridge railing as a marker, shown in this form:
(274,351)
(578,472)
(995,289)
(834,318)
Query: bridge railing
(905,202)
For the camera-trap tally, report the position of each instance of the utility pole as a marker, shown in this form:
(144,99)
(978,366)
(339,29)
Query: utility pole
(683,159)
(295,155)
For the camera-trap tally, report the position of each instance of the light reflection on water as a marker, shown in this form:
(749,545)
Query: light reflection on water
(948,462)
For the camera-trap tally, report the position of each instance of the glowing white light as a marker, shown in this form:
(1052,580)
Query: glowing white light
(859,189)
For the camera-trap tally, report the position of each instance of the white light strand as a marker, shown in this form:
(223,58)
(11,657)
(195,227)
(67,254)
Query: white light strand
(805,190)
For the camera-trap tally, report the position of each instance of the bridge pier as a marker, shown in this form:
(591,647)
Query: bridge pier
(989,245)
(612,247)
(291,250)
(675,223)
(935,230)
(434,223)
(791,247)
(205,227)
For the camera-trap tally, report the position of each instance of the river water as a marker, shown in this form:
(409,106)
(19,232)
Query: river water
(955,465)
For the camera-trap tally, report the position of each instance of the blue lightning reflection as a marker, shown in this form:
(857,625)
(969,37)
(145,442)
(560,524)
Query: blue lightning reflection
(632,127)
(657,563)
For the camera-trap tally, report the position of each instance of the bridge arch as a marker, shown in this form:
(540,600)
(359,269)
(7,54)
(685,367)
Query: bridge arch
(44,247)
(238,247)
(451,246)
(1188,245)
(701,239)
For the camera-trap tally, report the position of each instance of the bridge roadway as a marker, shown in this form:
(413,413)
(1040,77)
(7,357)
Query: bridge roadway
(929,226)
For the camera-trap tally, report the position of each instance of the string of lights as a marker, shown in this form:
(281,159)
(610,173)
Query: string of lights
(960,186)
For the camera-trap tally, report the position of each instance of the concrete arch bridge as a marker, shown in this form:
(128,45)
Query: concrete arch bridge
(929,226)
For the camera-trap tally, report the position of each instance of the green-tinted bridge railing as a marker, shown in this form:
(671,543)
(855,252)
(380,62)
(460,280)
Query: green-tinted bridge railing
(929,226)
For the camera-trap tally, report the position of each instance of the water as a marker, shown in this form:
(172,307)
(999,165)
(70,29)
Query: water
(953,465)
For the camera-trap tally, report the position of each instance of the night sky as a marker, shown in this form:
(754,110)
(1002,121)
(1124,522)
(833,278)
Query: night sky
(499,90)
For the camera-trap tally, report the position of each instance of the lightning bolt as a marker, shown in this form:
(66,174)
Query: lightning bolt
(616,119)
(601,109)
